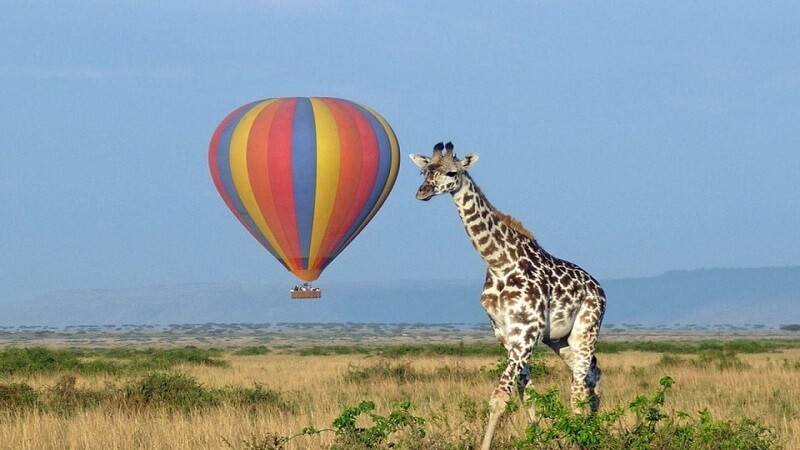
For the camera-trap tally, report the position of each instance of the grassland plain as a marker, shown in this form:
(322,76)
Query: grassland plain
(137,395)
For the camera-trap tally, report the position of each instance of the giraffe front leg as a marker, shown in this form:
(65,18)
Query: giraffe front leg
(523,382)
(517,374)
(499,401)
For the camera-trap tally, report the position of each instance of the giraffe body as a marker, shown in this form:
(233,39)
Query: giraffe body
(529,295)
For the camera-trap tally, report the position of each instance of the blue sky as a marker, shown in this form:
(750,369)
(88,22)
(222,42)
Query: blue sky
(630,137)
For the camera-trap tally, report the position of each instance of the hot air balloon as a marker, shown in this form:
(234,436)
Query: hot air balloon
(304,175)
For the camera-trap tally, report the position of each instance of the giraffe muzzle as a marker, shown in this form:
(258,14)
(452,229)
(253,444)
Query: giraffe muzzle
(424,193)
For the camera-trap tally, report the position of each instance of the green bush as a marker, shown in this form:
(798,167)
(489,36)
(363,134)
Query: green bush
(642,424)
(721,359)
(257,396)
(697,347)
(404,372)
(163,359)
(401,372)
(651,428)
(537,367)
(172,391)
(40,360)
(65,398)
(670,360)
(17,396)
(380,434)
(252,351)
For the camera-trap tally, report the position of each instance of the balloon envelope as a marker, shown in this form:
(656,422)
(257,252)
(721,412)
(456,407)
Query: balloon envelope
(304,175)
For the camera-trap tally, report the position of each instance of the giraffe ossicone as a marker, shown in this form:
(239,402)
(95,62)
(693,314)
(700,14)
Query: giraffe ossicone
(529,295)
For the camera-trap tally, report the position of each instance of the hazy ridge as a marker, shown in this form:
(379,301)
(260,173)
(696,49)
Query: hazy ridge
(767,296)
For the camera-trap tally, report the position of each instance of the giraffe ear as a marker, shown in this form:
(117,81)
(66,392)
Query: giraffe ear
(420,160)
(469,160)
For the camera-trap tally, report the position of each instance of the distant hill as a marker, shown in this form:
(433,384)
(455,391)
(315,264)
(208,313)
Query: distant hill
(767,296)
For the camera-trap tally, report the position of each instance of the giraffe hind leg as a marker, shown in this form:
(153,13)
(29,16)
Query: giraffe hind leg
(585,373)
(592,379)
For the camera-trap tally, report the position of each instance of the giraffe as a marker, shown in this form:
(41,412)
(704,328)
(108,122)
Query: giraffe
(529,295)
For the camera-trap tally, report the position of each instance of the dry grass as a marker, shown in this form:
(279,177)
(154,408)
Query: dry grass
(763,386)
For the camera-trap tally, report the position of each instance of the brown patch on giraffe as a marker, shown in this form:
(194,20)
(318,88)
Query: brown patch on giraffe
(498,236)
(530,335)
(523,316)
(508,295)
(489,301)
(477,228)
(533,291)
(473,218)
(501,260)
(515,280)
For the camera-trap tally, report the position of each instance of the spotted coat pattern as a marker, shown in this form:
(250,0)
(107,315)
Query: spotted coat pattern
(529,295)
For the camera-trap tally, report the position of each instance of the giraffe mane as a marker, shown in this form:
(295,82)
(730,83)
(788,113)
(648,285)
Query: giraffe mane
(509,221)
(514,224)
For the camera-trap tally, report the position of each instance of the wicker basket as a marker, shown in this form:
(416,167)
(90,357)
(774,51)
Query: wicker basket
(302,295)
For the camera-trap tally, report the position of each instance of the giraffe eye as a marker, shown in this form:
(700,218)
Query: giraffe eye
(451,174)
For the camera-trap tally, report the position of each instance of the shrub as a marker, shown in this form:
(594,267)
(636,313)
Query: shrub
(721,359)
(17,396)
(257,396)
(537,367)
(173,391)
(651,427)
(39,360)
(669,360)
(35,360)
(351,437)
(400,372)
(64,397)
(642,424)
(163,359)
(252,351)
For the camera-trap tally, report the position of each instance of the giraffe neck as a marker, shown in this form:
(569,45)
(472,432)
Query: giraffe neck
(488,229)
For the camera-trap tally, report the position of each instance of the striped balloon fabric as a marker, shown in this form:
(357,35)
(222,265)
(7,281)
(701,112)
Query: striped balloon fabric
(304,175)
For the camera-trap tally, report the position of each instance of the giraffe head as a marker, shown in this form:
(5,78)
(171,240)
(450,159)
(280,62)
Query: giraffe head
(444,173)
